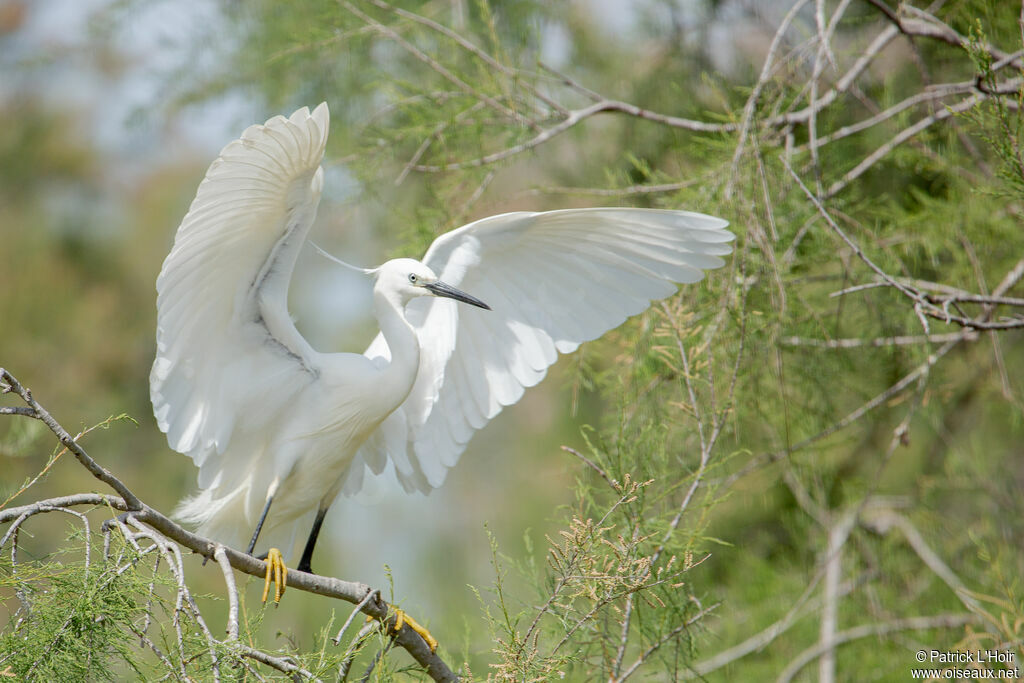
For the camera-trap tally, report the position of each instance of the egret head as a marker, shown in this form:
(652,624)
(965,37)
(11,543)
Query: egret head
(408,278)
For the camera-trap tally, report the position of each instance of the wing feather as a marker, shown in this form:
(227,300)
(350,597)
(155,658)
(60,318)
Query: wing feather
(221,289)
(553,280)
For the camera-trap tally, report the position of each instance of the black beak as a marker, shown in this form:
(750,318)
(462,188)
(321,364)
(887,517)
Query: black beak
(441,289)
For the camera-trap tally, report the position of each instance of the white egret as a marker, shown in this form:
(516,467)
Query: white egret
(279,429)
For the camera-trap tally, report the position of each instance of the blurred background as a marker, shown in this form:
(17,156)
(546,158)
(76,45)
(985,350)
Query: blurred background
(113,109)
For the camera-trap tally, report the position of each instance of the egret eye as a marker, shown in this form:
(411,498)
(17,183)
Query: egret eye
(413,278)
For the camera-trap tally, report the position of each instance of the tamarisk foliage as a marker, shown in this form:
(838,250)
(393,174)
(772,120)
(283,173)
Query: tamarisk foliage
(805,467)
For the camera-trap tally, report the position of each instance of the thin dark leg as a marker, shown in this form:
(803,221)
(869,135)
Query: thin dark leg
(307,554)
(259,525)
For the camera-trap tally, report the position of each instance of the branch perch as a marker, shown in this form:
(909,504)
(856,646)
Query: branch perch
(349,591)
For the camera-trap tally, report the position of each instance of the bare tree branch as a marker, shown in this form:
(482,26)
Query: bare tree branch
(40,413)
(573,118)
(646,654)
(616,486)
(838,533)
(141,512)
(901,340)
(472,49)
(436,66)
(922,302)
(882,520)
(900,138)
(229,581)
(926,25)
(755,94)
(873,630)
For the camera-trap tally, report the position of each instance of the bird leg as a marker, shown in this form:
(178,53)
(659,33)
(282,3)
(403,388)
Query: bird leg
(402,619)
(276,569)
(259,524)
(307,554)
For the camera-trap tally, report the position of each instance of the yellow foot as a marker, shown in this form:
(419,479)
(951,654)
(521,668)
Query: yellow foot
(276,572)
(401,618)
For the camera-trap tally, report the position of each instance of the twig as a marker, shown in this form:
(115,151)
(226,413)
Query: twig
(149,595)
(882,520)
(51,504)
(572,83)
(282,664)
(172,556)
(471,48)
(901,340)
(870,630)
(139,511)
(574,557)
(573,118)
(688,381)
(612,191)
(372,595)
(707,445)
(464,210)
(144,639)
(898,139)
(927,26)
(804,604)
(837,535)
(376,660)
(17,410)
(435,65)
(352,649)
(824,54)
(930,94)
(750,107)
(40,413)
(843,85)
(616,486)
(922,305)
(948,293)
(229,581)
(664,639)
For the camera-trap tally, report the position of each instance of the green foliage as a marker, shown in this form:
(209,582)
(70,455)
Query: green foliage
(730,428)
(994,122)
(82,621)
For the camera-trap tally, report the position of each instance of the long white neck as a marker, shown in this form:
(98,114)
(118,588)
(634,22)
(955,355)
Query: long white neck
(397,379)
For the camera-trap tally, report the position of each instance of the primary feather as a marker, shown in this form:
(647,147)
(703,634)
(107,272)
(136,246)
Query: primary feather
(229,359)
(240,391)
(554,280)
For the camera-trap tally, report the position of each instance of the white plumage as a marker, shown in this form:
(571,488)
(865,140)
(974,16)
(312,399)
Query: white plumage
(260,412)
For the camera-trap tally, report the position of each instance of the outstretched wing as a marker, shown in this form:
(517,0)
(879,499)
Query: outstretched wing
(553,280)
(224,336)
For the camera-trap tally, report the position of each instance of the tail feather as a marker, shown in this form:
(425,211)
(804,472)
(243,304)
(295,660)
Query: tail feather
(224,519)
(216,518)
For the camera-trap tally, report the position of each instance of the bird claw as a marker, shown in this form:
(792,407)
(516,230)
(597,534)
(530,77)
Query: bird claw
(403,619)
(276,572)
